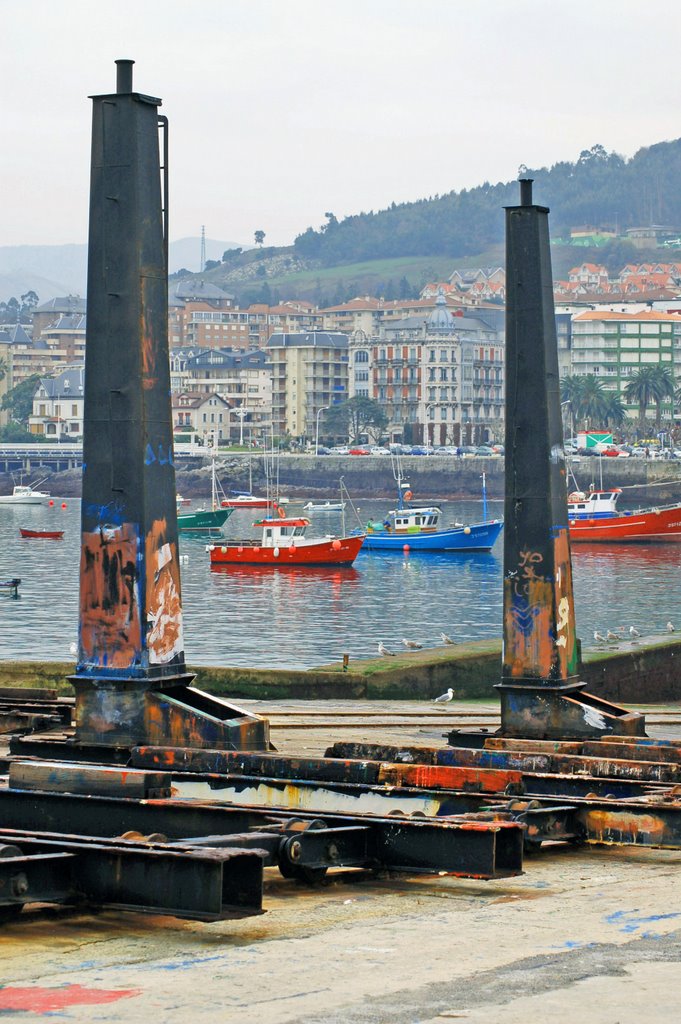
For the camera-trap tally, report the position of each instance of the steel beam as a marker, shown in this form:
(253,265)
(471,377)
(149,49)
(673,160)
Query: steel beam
(470,848)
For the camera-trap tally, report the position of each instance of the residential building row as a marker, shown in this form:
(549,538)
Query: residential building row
(435,364)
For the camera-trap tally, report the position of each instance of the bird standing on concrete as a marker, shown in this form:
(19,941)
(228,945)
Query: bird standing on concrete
(599,638)
(444,698)
(447,639)
(412,645)
(383,650)
(612,636)
(670,627)
(633,632)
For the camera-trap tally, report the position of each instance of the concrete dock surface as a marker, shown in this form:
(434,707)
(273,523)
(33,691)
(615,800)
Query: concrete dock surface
(589,935)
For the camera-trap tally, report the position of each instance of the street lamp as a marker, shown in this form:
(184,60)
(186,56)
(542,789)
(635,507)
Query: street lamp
(321,409)
(427,425)
(241,413)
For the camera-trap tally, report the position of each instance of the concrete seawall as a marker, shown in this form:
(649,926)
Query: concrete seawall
(637,674)
(438,477)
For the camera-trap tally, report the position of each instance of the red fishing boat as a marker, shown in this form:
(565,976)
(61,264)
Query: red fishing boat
(283,543)
(594,518)
(47,534)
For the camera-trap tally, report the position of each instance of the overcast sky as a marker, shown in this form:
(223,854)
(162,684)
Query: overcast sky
(283,109)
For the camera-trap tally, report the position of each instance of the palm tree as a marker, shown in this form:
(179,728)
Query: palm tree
(571,389)
(614,411)
(592,400)
(666,388)
(643,387)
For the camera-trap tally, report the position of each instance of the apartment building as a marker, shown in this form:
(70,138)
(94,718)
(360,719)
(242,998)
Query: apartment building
(243,379)
(613,345)
(309,373)
(441,379)
(58,404)
(49,312)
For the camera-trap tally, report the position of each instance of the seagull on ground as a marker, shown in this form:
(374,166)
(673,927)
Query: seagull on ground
(670,627)
(412,645)
(612,636)
(633,632)
(382,649)
(599,638)
(447,639)
(444,698)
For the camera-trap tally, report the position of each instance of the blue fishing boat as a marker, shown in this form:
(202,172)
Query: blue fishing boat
(417,528)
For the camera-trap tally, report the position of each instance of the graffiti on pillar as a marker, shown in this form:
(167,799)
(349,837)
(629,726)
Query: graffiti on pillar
(110,616)
(164,638)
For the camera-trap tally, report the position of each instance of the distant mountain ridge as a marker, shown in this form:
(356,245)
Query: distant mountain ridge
(56,270)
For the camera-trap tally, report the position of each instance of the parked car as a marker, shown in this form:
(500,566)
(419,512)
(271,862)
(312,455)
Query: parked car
(377,449)
(359,451)
(448,449)
(340,449)
(485,450)
(422,449)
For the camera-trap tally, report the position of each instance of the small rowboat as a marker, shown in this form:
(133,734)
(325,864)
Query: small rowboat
(10,586)
(47,534)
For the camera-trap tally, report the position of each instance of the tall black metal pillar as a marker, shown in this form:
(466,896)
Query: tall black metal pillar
(131,679)
(541,694)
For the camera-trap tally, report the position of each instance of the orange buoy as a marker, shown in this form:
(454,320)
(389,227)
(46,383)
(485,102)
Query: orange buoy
(281,512)
(408,495)
(405,548)
(336,545)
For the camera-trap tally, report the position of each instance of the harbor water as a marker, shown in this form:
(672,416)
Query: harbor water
(305,617)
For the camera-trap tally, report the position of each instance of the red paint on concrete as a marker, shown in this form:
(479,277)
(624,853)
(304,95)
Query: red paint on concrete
(35,999)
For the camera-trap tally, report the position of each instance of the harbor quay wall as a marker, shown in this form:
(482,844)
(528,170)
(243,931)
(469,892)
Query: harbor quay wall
(641,674)
(651,481)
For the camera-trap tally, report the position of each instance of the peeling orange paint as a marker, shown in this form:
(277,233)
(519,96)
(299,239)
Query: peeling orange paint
(163,597)
(111,629)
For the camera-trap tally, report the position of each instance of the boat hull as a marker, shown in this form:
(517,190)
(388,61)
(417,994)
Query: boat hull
(34,499)
(645,526)
(340,551)
(45,534)
(203,521)
(477,537)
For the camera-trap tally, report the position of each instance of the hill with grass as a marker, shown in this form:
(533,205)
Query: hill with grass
(393,252)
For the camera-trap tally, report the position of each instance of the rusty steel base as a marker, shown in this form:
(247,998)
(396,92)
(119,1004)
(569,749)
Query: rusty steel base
(563,713)
(124,712)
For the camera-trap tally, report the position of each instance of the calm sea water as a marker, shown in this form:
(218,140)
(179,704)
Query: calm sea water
(299,618)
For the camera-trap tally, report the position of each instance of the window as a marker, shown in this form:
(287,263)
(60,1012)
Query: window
(361,357)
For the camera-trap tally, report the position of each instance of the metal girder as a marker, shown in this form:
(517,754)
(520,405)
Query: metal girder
(204,885)
(326,769)
(470,848)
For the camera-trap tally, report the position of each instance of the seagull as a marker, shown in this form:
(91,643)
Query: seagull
(73,649)
(612,636)
(633,632)
(447,639)
(444,698)
(382,649)
(599,638)
(412,645)
(670,627)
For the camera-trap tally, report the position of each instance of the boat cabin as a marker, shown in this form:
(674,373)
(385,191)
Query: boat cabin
(412,520)
(282,532)
(593,505)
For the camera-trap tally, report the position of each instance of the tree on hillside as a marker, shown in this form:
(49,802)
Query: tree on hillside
(356,416)
(259,237)
(19,399)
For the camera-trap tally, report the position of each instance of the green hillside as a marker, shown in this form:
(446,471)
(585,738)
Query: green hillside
(392,253)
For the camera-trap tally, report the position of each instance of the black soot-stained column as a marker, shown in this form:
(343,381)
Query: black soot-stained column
(541,694)
(131,679)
